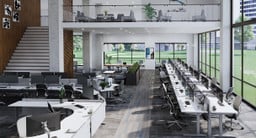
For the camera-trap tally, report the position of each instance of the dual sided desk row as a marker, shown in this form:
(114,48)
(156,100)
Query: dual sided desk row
(210,106)
(78,88)
(83,122)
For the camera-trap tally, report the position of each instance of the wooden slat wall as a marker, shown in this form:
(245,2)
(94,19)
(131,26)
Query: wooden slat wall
(68,52)
(68,41)
(29,16)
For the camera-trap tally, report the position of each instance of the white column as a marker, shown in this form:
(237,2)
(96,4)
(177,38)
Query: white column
(190,54)
(97,51)
(56,49)
(225,45)
(196,58)
(150,43)
(86,52)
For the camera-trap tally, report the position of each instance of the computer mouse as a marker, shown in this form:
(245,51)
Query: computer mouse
(187,102)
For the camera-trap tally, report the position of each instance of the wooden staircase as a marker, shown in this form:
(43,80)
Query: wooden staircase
(32,52)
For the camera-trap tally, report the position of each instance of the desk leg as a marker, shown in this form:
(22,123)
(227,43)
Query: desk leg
(198,124)
(220,124)
(209,125)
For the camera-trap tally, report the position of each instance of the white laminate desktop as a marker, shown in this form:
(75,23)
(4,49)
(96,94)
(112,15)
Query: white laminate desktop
(79,124)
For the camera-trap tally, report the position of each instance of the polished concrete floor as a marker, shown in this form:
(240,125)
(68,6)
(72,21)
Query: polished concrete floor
(141,116)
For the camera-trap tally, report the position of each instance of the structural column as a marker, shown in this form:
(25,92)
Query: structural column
(86,52)
(195,51)
(56,48)
(225,44)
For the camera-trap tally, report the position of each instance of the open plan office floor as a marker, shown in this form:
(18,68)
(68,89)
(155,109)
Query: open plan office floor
(141,116)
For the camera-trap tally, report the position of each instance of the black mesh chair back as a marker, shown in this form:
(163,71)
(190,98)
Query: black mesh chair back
(68,91)
(41,90)
(50,108)
(24,74)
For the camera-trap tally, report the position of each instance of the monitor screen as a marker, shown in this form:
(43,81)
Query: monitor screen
(37,79)
(217,91)
(52,79)
(34,123)
(205,81)
(11,79)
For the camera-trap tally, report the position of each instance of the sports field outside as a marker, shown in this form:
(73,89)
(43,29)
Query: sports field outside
(249,74)
(249,92)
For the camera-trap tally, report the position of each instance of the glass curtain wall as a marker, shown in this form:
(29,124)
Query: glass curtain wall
(118,53)
(164,51)
(244,49)
(210,54)
(78,48)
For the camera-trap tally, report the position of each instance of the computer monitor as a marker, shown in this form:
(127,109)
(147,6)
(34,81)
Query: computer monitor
(191,70)
(35,126)
(11,79)
(190,89)
(205,81)
(52,79)
(37,79)
(196,74)
(217,91)
(81,79)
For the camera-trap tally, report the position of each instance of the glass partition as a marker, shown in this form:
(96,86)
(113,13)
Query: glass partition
(164,12)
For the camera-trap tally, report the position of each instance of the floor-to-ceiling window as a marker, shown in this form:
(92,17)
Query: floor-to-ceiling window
(118,53)
(210,54)
(78,48)
(244,49)
(165,51)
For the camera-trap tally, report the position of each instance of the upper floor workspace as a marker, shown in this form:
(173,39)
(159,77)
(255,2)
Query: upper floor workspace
(135,13)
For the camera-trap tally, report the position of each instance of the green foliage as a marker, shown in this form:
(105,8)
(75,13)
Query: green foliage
(247,32)
(149,11)
(121,48)
(108,59)
(103,84)
(62,93)
(134,68)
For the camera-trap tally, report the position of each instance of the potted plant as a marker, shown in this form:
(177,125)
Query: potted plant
(133,74)
(149,11)
(103,84)
(62,94)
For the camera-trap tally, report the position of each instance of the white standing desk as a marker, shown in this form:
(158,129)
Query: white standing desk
(220,110)
(79,123)
(193,108)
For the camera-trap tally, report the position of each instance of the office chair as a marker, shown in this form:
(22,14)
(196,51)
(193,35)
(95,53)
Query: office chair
(41,90)
(236,106)
(68,91)
(50,108)
(21,127)
(229,95)
(174,111)
(119,90)
(164,78)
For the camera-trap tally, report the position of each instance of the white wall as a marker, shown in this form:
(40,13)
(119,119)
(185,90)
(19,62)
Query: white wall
(44,12)
(148,39)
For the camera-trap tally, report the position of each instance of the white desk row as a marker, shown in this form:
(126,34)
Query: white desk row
(79,124)
(211,105)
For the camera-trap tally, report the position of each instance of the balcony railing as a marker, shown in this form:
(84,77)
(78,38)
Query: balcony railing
(135,13)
